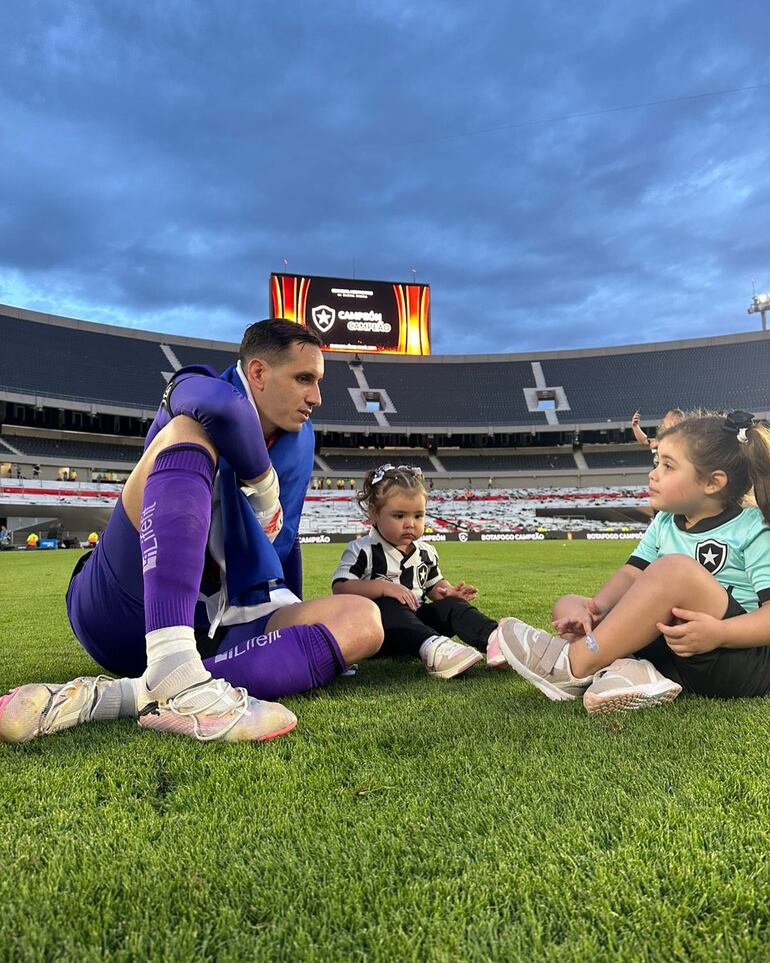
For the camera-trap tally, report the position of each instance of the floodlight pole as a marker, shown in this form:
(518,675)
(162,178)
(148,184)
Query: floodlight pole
(760,304)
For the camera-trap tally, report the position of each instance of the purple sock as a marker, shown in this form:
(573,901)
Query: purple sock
(271,665)
(173,529)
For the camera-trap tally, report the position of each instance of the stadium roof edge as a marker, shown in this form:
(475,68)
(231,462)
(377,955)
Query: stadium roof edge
(40,317)
(736,338)
(60,321)
(518,428)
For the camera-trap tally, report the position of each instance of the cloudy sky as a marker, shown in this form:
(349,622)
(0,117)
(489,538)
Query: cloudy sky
(563,174)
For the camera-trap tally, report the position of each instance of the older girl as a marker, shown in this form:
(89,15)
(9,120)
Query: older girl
(692,603)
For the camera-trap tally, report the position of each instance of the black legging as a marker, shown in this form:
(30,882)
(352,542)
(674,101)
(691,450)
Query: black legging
(405,630)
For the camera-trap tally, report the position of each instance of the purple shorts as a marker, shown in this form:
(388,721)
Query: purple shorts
(105,605)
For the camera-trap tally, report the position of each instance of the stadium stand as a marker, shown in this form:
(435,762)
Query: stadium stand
(337,405)
(456,394)
(82,394)
(611,386)
(217,359)
(632,458)
(450,512)
(496,463)
(364,462)
(75,450)
(473,413)
(57,358)
(62,362)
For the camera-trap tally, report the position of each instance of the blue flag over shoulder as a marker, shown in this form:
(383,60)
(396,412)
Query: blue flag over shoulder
(253,564)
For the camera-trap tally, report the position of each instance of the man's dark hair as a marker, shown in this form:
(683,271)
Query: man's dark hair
(272,339)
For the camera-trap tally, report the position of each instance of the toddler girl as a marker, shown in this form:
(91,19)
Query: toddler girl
(395,568)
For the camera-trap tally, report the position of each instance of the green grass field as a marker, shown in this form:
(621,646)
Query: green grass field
(404,819)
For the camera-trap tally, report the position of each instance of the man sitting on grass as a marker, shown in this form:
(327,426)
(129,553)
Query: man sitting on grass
(193,592)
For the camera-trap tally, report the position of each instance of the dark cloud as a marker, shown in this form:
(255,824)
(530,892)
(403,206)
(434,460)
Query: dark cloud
(160,159)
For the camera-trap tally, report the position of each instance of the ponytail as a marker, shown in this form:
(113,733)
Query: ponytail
(757,449)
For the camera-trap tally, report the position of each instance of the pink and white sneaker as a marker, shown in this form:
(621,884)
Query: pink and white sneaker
(213,710)
(445,659)
(495,658)
(39,708)
(629,684)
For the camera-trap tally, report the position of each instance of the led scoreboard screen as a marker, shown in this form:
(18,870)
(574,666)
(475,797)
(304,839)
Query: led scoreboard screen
(377,316)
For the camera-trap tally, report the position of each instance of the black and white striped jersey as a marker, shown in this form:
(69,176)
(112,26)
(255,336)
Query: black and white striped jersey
(371,557)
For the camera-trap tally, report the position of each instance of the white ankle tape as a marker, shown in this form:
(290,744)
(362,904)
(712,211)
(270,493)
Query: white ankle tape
(164,642)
